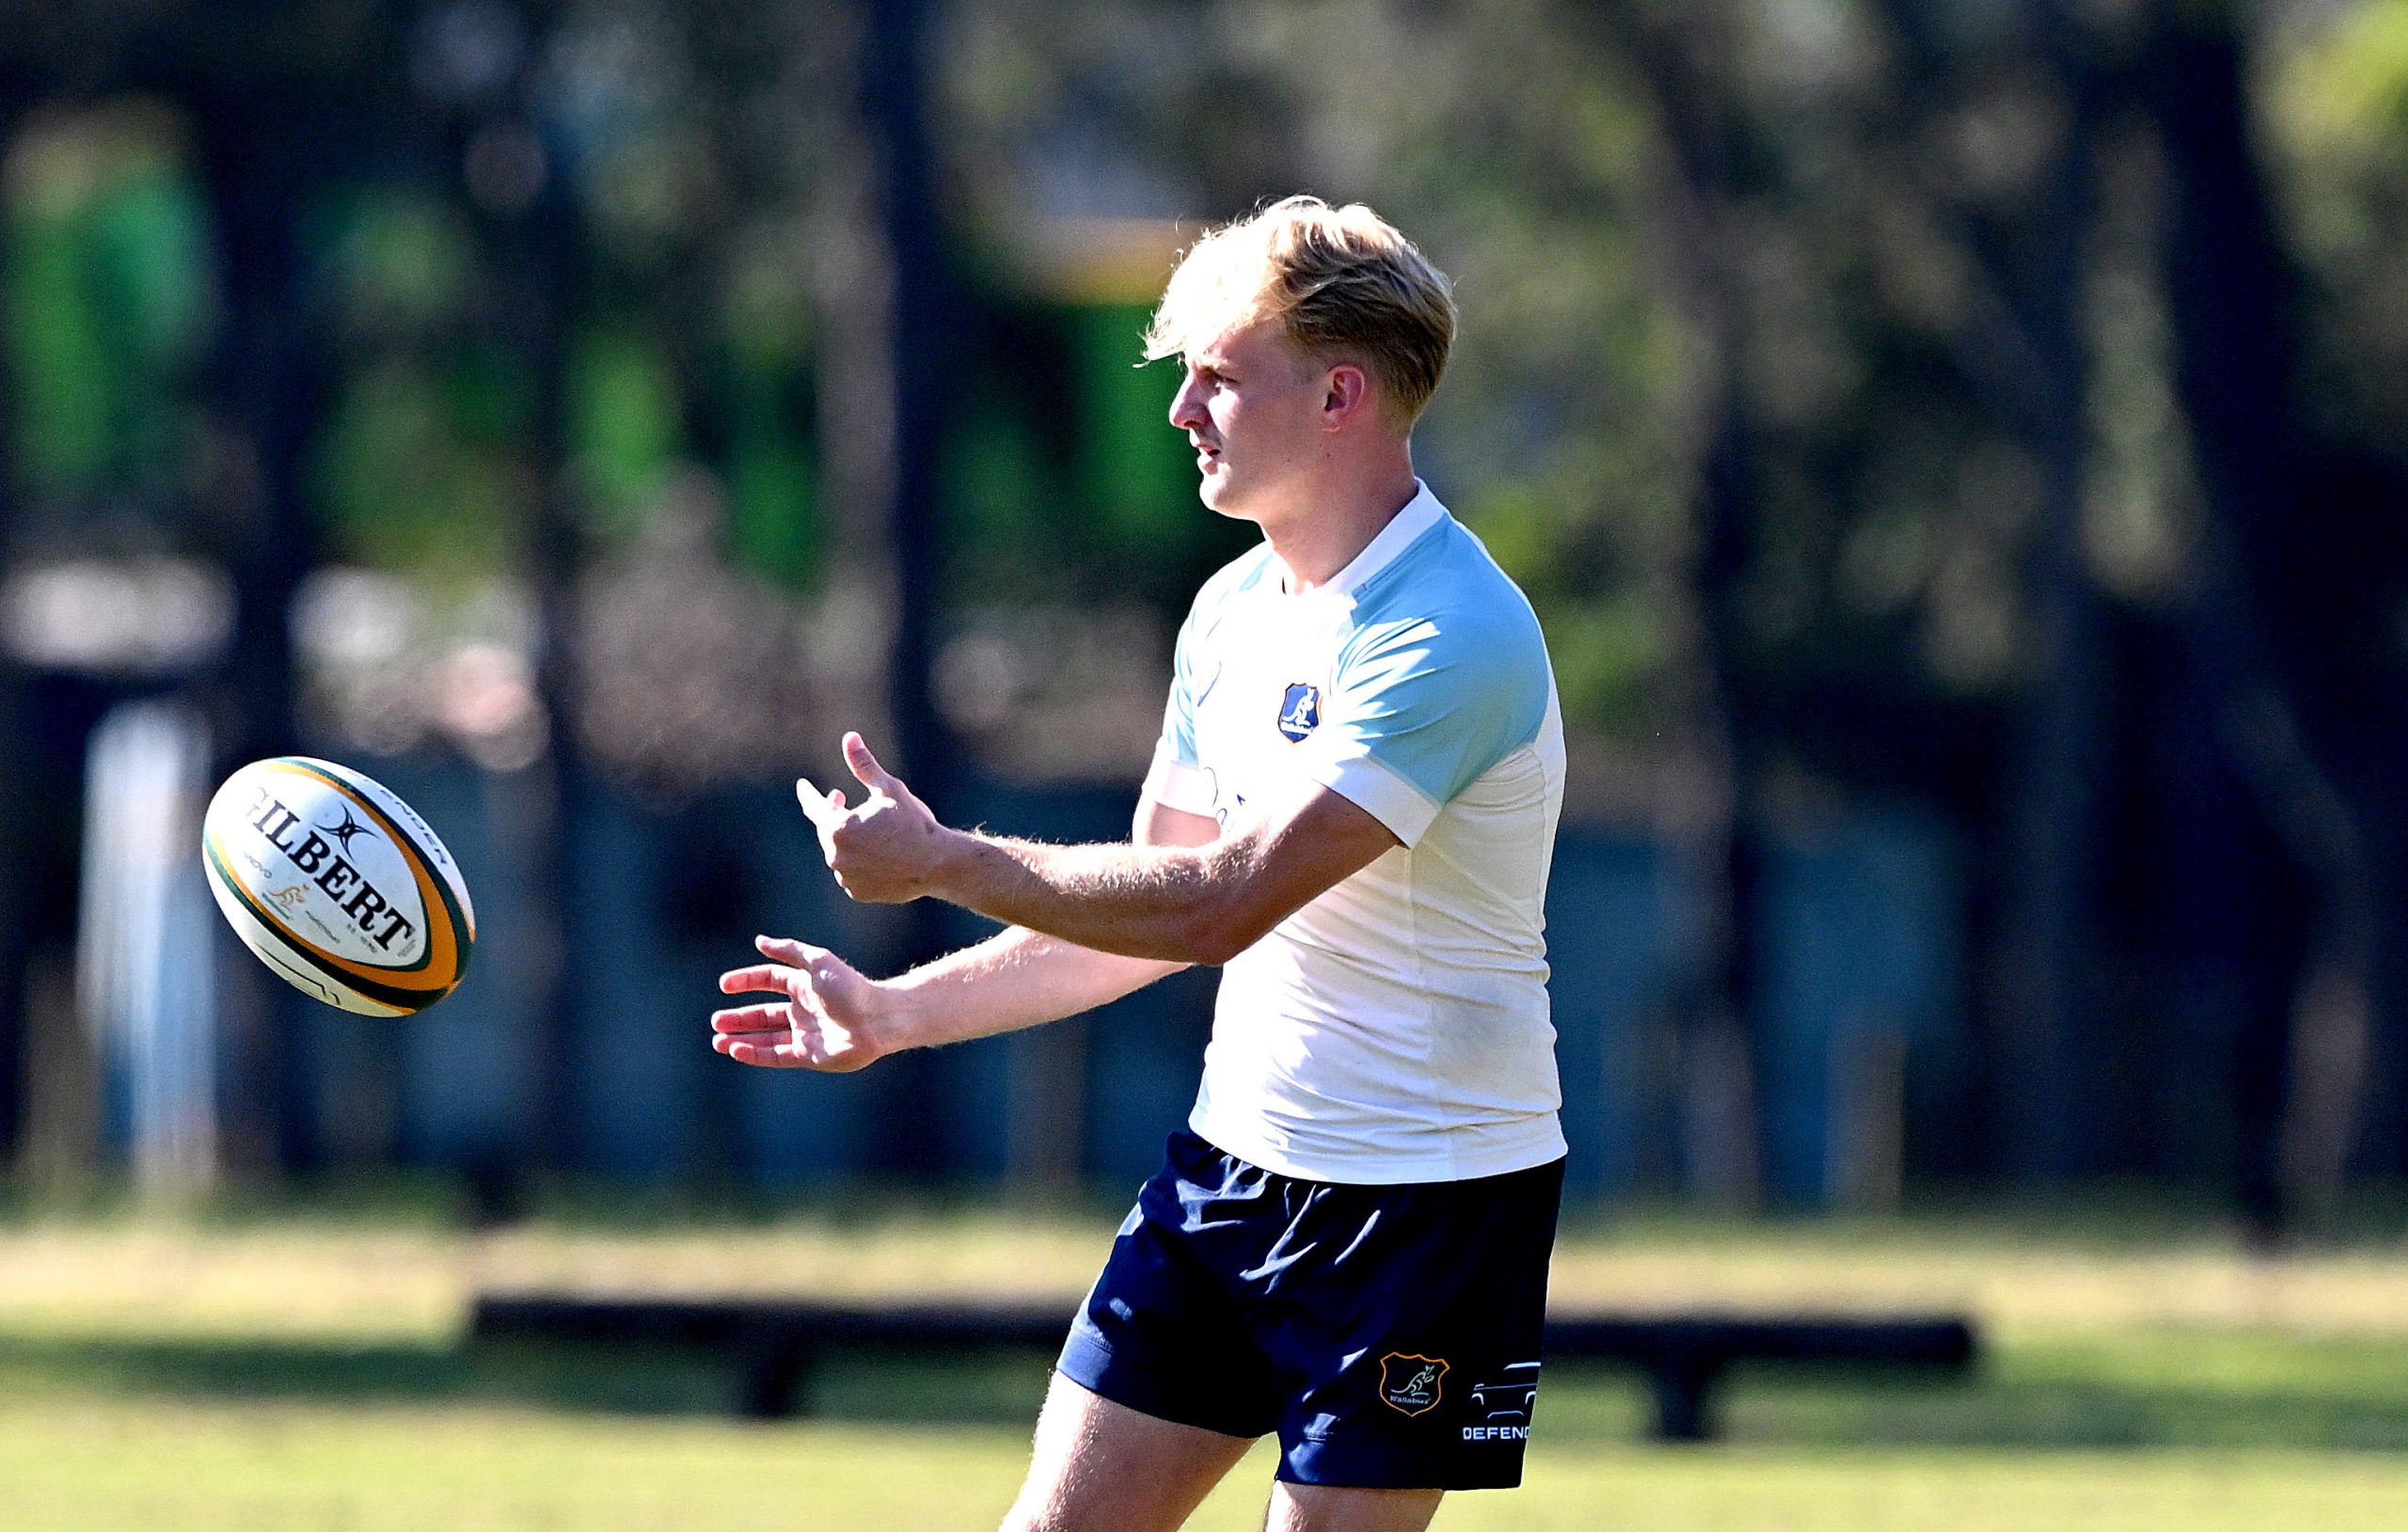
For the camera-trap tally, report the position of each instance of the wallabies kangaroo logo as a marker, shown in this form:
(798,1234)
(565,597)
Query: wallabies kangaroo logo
(1299,711)
(1410,1383)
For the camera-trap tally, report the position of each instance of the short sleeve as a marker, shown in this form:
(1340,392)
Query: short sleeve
(1419,710)
(1176,779)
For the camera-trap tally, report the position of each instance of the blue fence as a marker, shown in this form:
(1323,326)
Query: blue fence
(1861,945)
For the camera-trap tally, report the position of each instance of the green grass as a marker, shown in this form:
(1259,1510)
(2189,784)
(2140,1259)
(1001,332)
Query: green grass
(306,1372)
(145,1462)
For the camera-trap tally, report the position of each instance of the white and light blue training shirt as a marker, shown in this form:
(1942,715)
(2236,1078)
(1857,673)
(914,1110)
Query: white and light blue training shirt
(1395,1029)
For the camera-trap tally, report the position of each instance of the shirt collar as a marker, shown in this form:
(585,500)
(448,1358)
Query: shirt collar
(1419,514)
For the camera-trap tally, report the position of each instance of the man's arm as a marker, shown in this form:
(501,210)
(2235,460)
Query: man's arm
(829,1017)
(1183,904)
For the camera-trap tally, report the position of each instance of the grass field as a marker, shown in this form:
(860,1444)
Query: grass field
(306,1372)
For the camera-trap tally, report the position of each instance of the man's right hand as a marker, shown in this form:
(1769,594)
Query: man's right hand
(828,1018)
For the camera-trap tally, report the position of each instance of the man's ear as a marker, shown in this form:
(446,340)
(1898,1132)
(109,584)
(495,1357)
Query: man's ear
(1348,393)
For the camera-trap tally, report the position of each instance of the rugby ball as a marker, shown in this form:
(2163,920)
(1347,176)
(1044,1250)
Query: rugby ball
(337,885)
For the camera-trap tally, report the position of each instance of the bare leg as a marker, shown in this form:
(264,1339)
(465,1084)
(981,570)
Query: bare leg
(1327,1507)
(1103,1467)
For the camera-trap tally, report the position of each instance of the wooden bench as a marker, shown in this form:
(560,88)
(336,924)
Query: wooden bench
(775,1343)
(1684,1358)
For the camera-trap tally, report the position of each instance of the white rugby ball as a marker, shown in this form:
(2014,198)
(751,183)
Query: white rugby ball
(337,885)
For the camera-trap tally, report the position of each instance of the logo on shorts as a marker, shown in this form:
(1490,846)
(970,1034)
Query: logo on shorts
(1506,1403)
(1300,713)
(1410,1383)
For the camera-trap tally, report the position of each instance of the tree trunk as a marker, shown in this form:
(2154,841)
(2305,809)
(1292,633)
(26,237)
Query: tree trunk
(17,808)
(256,150)
(1701,809)
(883,303)
(2291,618)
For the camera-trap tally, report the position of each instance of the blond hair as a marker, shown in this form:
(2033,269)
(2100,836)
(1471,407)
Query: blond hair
(1344,280)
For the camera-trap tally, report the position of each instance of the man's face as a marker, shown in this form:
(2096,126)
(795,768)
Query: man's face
(1252,406)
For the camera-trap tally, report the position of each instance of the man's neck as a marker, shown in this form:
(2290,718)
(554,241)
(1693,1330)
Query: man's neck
(1324,538)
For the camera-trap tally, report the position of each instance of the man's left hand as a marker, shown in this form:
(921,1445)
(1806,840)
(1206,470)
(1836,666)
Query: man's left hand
(886,849)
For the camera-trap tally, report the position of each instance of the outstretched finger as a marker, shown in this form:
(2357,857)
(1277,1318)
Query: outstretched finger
(801,955)
(821,809)
(750,1050)
(790,948)
(761,978)
(865,766)
(749,1018)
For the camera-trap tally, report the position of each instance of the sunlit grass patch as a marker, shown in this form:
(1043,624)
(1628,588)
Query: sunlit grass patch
(310,1371)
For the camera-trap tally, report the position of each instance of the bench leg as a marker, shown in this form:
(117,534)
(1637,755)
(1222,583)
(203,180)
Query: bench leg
(775,1369)
(1681,1386)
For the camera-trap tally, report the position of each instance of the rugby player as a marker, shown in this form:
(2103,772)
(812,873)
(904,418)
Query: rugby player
(1351,812)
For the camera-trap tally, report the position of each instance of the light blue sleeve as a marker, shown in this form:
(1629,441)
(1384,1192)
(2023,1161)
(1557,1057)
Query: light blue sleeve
(1176,778)
(1420,709)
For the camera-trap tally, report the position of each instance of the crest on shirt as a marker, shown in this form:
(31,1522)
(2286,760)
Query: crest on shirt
(1300,712)
(1409,1383)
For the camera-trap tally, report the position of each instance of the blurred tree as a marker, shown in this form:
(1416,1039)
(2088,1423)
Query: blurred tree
(2311,569)
(416,464)
(18,806)
(109,301)
(1712,405)
(2334,126)
(1711,753)
(1819,381)
(1989,400)
(279,98)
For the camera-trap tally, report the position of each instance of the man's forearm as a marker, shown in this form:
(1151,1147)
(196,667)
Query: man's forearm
(1017,978)
(1184,896)
(1170,904)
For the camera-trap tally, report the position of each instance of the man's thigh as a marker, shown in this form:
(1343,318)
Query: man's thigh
(1103,1467)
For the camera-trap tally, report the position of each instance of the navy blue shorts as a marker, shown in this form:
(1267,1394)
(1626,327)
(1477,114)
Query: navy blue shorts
(1389,1334)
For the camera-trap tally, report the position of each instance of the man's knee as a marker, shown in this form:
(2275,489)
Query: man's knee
(1023,1519)
(1103,1467)
(1055,1496)
(1312,1507)
(1054,1501)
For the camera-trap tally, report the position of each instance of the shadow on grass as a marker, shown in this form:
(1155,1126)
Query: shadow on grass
(2025,1401)
(2301,1395)
(617,1378)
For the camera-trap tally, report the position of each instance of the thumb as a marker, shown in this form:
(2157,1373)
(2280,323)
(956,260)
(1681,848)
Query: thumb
(865,766)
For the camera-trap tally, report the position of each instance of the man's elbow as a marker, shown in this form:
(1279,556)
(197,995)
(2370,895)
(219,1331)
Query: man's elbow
(1216,930)
(1232,906)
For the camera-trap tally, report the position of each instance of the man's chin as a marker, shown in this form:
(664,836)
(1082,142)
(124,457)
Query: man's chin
(1214,492)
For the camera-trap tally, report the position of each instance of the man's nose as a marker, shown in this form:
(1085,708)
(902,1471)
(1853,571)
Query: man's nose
(1186,408)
